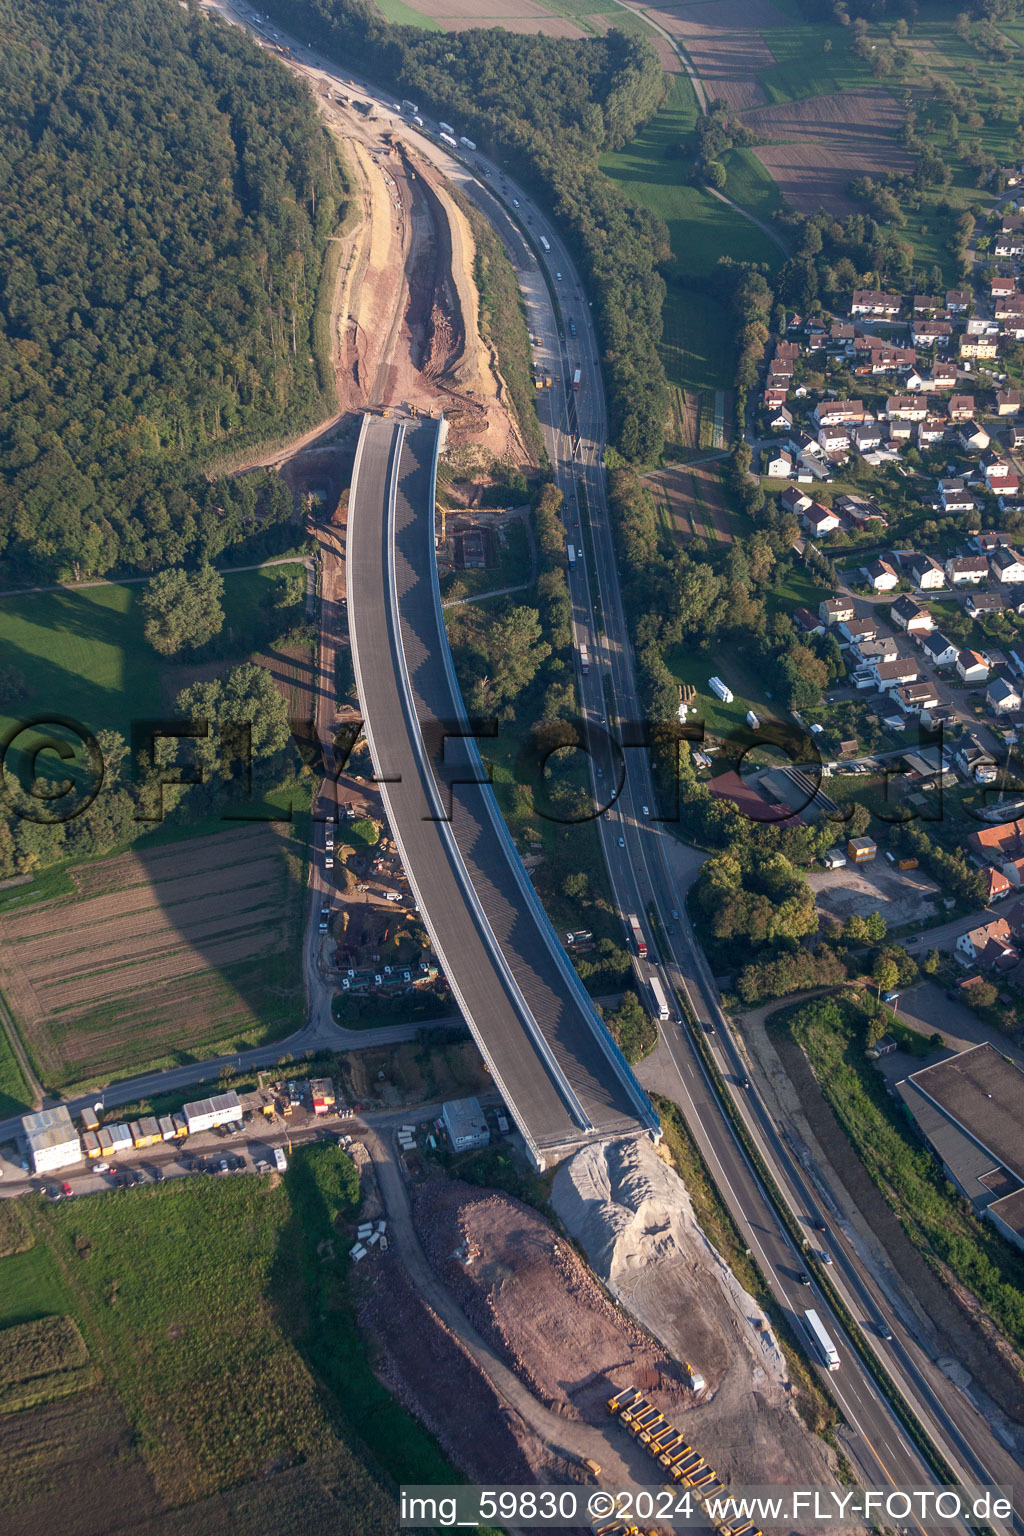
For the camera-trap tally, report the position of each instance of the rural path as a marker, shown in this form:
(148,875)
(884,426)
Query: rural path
(131,581)
(14,1040)
(613,1450)
(752,218)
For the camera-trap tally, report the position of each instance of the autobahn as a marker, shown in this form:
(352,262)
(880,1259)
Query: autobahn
(642,881)
(563,1078)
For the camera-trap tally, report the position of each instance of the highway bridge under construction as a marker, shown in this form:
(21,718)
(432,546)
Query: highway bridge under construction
(563,1077)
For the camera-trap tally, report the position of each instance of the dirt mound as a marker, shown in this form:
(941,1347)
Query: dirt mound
(425,1366)
(633,1217)
(528,1293)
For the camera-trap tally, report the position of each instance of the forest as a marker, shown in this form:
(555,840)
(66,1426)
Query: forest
(547,108)
(166,196)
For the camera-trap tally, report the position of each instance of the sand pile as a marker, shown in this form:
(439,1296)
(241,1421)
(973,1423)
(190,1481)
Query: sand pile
(631,1214)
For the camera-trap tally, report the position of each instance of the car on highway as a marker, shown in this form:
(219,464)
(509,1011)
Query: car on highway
(803,1277)
(558,277)
(622,842)
(746,1082)
(885,1332)
(646,810)
(825,1256)
(325,918)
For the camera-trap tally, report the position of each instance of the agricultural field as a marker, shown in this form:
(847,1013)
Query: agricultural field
(161,956)
(695,503)
(197,1315)
(697,345)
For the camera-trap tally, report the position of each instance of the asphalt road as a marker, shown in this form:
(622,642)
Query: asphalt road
(561,1077)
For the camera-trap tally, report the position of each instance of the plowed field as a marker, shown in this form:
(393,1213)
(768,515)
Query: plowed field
(161,955)
(825,141)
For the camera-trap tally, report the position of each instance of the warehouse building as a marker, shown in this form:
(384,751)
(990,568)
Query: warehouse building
(206,1114)
(52,1140)
(464,1121)
(970,1109)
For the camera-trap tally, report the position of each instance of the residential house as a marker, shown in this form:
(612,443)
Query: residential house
(779,418)
(972,666)
(985,540)
(930,431)
(833,440)
(1007,566)
(944,376)
(890,360)
(955,496)
(1007,402)
(870,651)
(1007,490)
(966,570)
(795,500)
(881,576)
(841,331)
(910,616)
(981,325)
(1013,325)
(988,945)
(809,622)
(1009,243)
(982,349)
(905,408)
(1002,697)
(855,630)
(924,571)
(960,407)
(869,301)
(977,764)
(1016,438)
(972,437)
(788,350)
(931,333)
(997,884)
(859,510)
(980,604)
(835,610)
(916,381)
(819,520)
(912,698)
(866,436)
(995,468)
(939,650)
(1009,309)
(890,675)
(925,304)
(996,844)
(833,413)
(958,300)
(778,464)
(1002,287)
(900,431)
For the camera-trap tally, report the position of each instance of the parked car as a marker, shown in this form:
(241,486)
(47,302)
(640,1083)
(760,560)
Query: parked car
(66,1189)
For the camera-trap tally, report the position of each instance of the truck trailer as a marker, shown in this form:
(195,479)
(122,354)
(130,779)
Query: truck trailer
(450,140)
(466,143)
(584,660)
(577,379)
(821,1343)
(660,1000)
(636,933)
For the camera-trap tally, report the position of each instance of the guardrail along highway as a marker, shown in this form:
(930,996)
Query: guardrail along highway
(562,1076)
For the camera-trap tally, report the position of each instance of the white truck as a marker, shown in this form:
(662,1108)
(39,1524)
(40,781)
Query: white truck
(280,1161)
(659,998)
(448,129)
(466,143)
(820,1341)
(450,140)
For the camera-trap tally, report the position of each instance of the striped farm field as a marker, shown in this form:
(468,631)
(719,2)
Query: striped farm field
(161,956)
